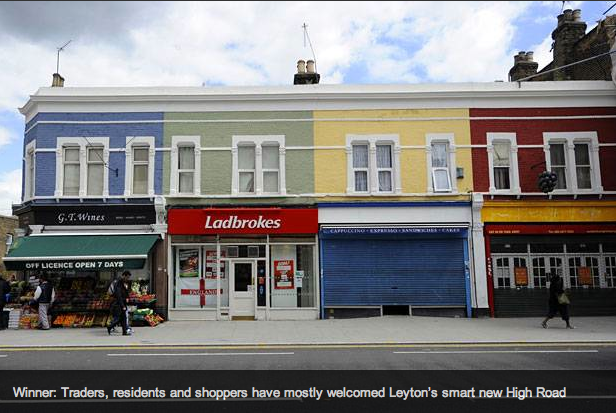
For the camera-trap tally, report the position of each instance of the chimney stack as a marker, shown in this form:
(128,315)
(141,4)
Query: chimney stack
(570,29)
(58,81)
(523,66)
(306,74)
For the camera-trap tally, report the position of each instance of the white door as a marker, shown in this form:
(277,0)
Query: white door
(242,297)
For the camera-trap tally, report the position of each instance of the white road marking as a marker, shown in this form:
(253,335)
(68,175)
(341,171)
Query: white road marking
(495,351)
(196,354)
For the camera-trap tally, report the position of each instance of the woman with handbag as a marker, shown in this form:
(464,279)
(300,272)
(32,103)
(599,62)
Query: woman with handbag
(558,301)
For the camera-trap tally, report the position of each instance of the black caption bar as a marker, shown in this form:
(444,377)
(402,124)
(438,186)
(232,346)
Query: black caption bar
(325,391)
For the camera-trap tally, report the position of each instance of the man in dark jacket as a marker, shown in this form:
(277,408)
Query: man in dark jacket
(4,290)
(120,305)
(556,288)
(45,296)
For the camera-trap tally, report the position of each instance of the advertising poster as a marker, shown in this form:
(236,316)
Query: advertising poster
(521,275)
(283,275)
(189,263)
(210,264)
(299,278)
(585,276)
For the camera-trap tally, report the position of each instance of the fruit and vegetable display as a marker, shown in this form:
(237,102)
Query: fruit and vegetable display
(28,321)
(82,302)
(79,294)
(148,316)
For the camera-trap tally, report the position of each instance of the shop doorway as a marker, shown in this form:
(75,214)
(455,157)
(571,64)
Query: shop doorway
(242,286)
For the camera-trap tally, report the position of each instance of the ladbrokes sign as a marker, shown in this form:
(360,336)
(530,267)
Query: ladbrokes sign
(243,221)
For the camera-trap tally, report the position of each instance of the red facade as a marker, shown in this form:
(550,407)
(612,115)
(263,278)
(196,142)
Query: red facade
(530,132)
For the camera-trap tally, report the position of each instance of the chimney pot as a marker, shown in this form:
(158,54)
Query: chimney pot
(529,56)
(301,66)
(577,15)
(568,15)
(58,81)
(310,66)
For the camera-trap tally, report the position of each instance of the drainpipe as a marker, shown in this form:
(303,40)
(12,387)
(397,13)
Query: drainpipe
(489,274)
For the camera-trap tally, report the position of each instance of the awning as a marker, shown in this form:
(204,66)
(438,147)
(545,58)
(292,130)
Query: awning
(79,252)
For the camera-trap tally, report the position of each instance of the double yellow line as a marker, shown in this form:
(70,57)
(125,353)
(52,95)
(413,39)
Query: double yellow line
(307,346)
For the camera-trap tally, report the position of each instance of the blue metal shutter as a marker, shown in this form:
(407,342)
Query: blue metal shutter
(417,272)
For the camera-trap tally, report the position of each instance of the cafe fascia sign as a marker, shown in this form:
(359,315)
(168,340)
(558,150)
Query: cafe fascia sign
(243,221)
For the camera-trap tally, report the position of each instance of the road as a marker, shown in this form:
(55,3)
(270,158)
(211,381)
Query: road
(316,357)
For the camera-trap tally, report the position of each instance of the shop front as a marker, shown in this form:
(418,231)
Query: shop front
(81,248)
(521,258)
(389,259)
(81,268)
(244,263)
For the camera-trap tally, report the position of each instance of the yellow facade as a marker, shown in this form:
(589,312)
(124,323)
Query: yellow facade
(411,126)
(549,211)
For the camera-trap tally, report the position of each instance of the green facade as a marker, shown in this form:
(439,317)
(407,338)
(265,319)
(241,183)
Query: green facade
(217,129)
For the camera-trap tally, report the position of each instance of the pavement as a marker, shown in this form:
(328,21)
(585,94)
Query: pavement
(387,330)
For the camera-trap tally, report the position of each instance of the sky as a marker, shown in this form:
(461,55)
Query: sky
(258,43)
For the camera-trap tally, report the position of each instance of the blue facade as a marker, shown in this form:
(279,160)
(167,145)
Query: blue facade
(69,125)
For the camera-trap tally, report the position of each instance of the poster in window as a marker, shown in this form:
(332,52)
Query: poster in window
(521,275)
(210,265)
(189,263)
(299,278)
(584,276)
(283,275)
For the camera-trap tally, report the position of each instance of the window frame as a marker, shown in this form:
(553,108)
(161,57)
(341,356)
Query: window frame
(434,171)
(252,171)
(372,141)
(360,169)
(439,138)
(269,170)
(65,162)
(258,141)
(178,142)
(30,170)
(588,166)
(139,141)
(389,169)
(83,143)
(569,140)
(514,175)
(96,162)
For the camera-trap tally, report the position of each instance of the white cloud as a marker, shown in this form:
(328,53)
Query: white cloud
(542,52)
(5,136)
(253,43)
(10,190)
(474,44)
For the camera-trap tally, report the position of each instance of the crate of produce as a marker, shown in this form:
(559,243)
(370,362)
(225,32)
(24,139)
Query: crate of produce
(14,316)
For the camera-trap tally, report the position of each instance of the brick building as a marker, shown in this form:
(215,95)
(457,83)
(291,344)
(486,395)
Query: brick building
(570,231)
(8,225)
(572,44)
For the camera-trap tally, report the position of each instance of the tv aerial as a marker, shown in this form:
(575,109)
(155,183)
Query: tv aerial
(58,59)
(307,36)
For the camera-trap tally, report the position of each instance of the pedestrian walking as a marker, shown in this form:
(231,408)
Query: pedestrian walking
(127,286)
(115,311)
(558,301)
(5,289)
(120,305)
(44,295)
